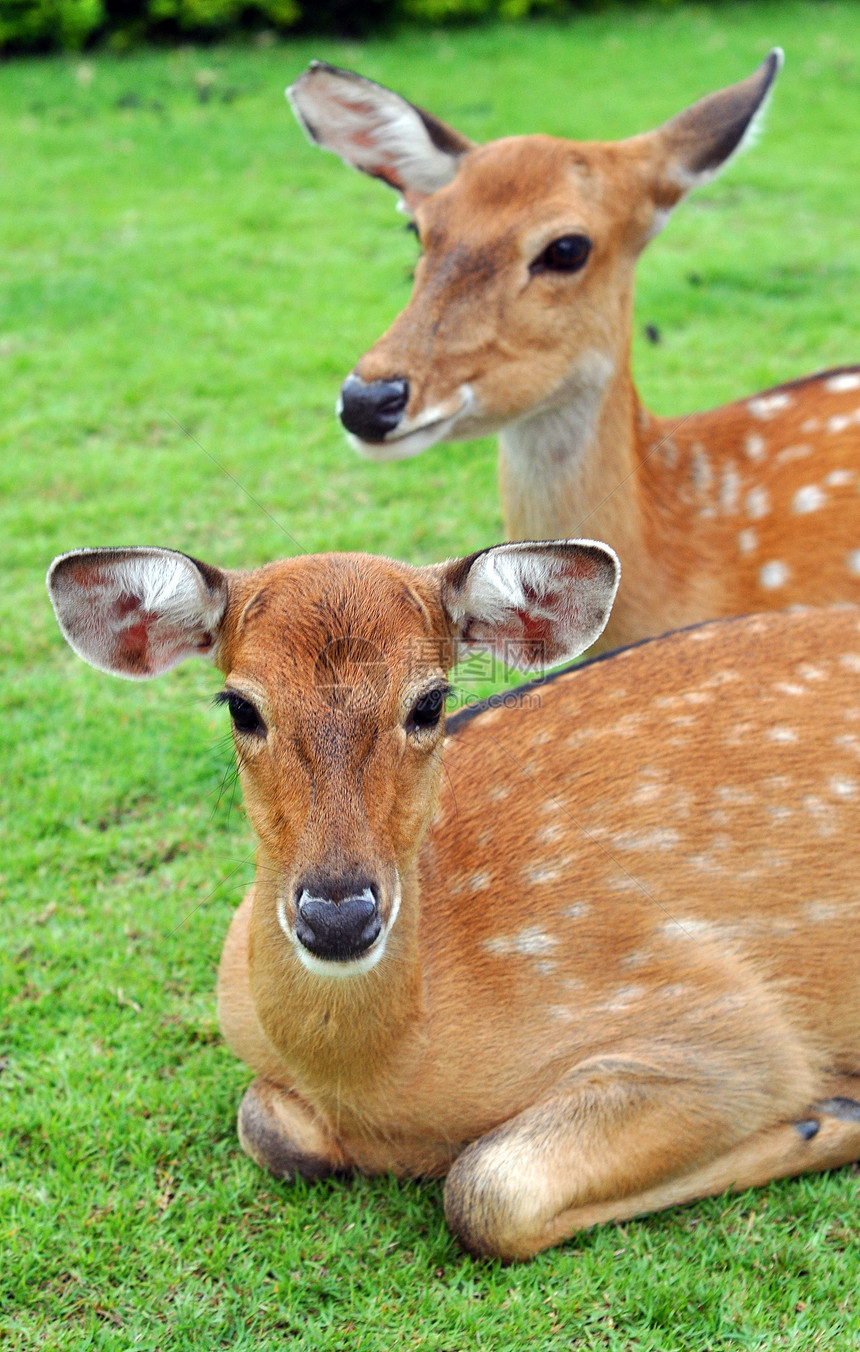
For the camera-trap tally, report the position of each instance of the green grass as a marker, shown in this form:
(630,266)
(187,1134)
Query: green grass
(183,284)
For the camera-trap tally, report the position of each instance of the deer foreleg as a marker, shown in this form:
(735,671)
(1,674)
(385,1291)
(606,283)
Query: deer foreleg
(622,1142)
(283,1136)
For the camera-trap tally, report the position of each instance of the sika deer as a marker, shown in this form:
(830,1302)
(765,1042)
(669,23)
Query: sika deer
(520,322)
(607,963)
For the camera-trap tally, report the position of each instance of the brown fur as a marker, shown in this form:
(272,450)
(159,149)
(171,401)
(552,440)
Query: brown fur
(702,510)
(625,961)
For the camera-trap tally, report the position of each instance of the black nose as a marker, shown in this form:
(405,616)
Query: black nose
(371,409)
(339,925)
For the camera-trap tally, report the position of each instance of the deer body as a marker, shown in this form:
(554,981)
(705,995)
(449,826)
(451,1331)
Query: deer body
(713,512)
(520,323)
(605,962)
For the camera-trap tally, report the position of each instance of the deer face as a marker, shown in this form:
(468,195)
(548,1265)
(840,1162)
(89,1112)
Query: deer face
(335,677)
(523,293)
(513,308)
(338,715)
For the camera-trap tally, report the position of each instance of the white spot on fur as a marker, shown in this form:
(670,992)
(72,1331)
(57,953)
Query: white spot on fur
(853,562)
(737,797)
(823,813)
(788,688)
(778,812)
(789,453)
(703,475)
(622,882)
(839,478)
(576,910)
(766,406)
(537,874)
(843,381)
(758,503)
(530,942)
(697,697)
(547,834)
(808,499)
(782,734)
(479,881)
(730,488)
(848,743)
(747,541)
(821,912)
(773,575)
(840,422)
(850,661)
(690,927)
(673,991)
(661,838)
(842,788)
(621,999)
(755,446)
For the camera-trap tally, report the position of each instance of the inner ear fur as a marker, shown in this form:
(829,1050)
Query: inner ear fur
(376,130)
(532,604)
(137,612)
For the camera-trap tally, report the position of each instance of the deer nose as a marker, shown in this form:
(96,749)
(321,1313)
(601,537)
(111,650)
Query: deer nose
(338,928)
(370,409)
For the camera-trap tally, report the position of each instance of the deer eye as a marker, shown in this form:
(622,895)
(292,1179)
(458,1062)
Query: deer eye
(427,710)
(245,717)
(568,253)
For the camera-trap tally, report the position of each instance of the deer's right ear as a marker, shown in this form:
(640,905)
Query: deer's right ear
(533,603)
(377,131)
(137,612)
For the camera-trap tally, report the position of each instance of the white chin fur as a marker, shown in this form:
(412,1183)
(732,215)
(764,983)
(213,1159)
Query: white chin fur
(404,445)
(341,970)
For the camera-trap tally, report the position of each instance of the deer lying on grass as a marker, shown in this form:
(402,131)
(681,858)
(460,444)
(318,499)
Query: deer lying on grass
(607,963)
(520,322)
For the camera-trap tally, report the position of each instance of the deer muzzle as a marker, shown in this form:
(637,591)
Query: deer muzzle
(340,925)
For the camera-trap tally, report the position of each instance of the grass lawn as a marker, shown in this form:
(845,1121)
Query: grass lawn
(183,284)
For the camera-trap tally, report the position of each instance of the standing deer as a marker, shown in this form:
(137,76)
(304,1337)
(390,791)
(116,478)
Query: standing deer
(607,963)
(520,322)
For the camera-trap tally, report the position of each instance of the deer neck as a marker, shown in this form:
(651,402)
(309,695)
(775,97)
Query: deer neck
(569,468)
(340,1035)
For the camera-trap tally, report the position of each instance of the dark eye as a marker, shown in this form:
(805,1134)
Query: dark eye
(568,253)
(244,715)
(427,710)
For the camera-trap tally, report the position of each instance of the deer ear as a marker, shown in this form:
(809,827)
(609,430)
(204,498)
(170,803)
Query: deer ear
(137,612)
(693,147)
(531,604)
(376,131)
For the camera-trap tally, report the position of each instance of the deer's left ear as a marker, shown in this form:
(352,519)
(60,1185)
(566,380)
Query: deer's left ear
(531,604)
(377,131)
(691,148)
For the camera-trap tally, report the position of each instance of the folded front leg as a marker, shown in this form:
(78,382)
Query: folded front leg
(283,1136)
